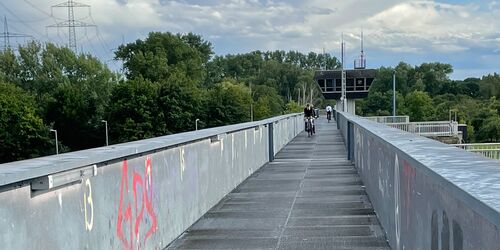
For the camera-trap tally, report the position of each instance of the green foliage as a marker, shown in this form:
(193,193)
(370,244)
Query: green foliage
(22,132)
(293,107)
(161,55)
(172,80)
(228,103)
(268,104)
(287,72)
(419,106)
(380,104)
(427,93)
(490,131)
(489,86)
(180,105)
(71,91)
(134,113)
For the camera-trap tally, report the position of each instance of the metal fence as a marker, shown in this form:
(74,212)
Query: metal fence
(437,128)
(490,150)
(389,119)
(434,128)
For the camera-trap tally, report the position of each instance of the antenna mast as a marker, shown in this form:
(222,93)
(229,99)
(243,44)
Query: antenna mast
(343,97)
(361,62)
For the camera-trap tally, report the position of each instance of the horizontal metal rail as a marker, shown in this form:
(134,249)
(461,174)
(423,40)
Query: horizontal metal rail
(490,150)
(389,119)
(437,128)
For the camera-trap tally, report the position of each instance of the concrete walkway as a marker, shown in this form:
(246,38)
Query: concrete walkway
(310,197)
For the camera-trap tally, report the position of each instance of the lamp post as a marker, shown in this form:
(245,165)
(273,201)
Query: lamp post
(394,93)
(196,123)
(57,145)
(251,102)
(453,110)
(106,125)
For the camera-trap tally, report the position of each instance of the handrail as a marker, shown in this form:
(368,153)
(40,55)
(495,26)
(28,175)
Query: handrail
(389,119)
(436,128)
(490,150)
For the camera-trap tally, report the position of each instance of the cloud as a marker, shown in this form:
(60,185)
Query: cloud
(437,27)
(413,29)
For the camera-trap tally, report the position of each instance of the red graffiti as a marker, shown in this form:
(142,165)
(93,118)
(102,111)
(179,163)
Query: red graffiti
(408,179)
(142,189)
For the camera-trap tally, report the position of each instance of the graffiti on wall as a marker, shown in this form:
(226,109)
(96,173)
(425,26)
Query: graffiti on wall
(446,233)
(88,202)
(397,212)
(441,234)
(409,174)
(135,211)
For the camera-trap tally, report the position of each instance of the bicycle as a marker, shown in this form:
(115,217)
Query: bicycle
(329,116)
(309,126)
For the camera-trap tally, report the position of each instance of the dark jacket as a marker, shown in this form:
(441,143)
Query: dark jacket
(308,112)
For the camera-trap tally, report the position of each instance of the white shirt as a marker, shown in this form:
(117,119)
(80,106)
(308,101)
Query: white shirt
(328,108)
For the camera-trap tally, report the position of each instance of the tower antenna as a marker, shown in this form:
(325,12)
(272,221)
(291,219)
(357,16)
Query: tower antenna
(343,97)
(361,62)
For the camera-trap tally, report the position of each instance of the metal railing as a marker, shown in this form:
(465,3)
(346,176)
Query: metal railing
(437,128)
(389,119)
(490,150)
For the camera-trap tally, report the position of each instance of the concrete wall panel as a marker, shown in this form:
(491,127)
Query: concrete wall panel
(427,195)
(139,200)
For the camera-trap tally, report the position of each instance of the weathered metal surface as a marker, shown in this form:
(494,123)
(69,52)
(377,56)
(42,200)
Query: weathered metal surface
(427,195)
(144,194)
(310,197)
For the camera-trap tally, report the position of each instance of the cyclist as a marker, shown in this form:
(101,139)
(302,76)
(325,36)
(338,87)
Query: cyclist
(309,114)
(328,112)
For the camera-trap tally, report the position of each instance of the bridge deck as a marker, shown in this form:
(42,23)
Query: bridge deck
(310,197)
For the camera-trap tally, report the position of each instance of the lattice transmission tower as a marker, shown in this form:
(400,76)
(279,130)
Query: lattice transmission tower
(71,23)
(6,35)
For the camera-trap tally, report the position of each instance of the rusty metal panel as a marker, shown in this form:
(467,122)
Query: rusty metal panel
(142,200)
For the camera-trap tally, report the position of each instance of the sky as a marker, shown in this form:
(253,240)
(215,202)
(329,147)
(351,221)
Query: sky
(465,34)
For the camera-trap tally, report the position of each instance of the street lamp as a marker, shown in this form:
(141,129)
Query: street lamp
(394,93)
(196,123)
(57,145)
(106,124)
(453,110)
(251,102)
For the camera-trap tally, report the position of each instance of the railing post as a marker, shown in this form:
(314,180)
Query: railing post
(271,140)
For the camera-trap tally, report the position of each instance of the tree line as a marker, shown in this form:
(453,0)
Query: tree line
(426,93)
(168,81)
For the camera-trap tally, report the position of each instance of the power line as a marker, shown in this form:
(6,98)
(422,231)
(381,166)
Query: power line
(41,11)
(71,23)
(21,21)
(7,35)
(99,36)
